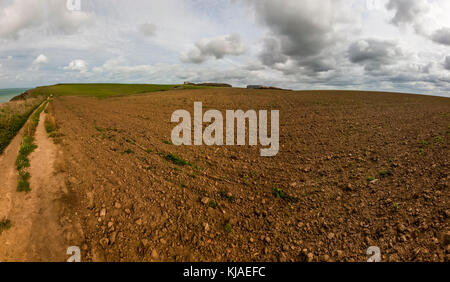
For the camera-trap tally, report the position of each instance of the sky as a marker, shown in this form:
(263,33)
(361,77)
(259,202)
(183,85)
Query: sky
(383,45)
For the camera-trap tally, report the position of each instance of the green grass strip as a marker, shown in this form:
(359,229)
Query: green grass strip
(26,148)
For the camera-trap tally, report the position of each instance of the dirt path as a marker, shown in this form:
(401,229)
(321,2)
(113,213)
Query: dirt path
(36,233)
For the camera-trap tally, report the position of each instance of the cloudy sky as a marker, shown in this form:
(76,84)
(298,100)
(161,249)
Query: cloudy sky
(393,45)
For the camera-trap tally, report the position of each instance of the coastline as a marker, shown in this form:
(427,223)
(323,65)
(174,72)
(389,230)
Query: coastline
(8,94)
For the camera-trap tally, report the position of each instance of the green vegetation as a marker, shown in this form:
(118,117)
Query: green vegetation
(50,127)
(385,173)
(226,196)
(194,166)
(279,193)
(423,145)
(370,178)
(129,140)
(128,151)
(26,148)
(176,159)
(50,123)
(245,180)
(179,161)
(396,206)
(12,117)
(438,139)
(105,90)
(5,224)
(24,185)
(213,204)
(228,227)
(167,142)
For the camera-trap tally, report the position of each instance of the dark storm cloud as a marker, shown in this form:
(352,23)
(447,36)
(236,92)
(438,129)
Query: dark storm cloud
(314,65)
(374,54)
(300,32)
(299,35)
(447,63)
(406,11)
(442,36)
(272,53)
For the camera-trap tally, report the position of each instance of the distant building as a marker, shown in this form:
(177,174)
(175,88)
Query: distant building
(255,86)
(264,87)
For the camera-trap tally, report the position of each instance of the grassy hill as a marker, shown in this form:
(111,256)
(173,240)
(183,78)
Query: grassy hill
(104,90)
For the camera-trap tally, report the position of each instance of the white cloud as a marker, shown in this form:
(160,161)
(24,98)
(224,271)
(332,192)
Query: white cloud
(216,47)
(50,16)
(77,65)
(41,59)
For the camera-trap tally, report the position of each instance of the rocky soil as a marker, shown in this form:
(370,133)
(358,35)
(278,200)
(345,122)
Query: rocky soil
(354,170)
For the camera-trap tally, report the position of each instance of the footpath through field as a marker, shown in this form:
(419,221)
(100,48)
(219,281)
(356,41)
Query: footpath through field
(35,233)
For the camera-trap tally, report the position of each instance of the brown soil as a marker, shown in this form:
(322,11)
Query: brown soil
(138,206)
(37,232)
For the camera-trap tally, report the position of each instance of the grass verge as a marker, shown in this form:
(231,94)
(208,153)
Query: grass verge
(50,123)
(13,116)
(26,148)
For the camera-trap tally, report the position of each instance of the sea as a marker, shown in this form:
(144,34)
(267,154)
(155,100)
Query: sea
(8,93)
